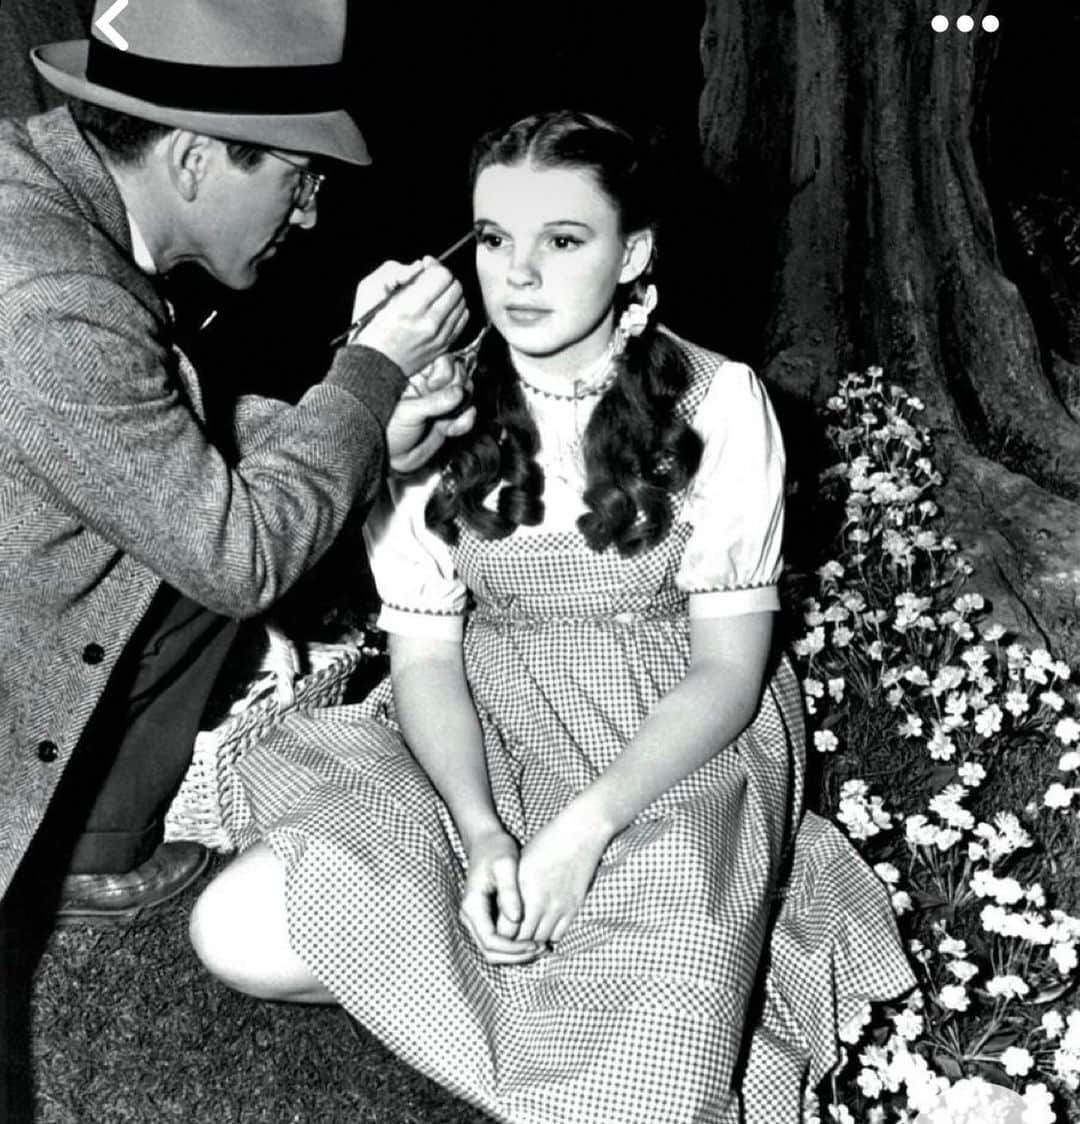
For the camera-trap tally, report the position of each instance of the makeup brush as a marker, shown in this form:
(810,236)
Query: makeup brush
(366,318)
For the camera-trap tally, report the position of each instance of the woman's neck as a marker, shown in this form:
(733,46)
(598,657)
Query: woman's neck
(574,370)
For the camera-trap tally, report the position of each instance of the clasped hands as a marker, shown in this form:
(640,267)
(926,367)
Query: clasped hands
(514,902)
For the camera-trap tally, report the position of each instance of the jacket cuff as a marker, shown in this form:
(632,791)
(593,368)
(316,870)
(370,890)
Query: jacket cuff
(370,377)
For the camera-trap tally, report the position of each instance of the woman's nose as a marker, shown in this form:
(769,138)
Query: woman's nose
(522,272)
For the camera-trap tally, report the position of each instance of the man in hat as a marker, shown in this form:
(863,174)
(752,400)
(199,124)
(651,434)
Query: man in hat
(129,544)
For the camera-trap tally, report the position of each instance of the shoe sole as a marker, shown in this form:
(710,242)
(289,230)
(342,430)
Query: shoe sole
(101,917)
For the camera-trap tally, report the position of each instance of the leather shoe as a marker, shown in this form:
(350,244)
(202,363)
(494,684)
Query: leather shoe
(105,899)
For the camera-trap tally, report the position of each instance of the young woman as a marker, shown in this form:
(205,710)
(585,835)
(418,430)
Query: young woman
(558,860)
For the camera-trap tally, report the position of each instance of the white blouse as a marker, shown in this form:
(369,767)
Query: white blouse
(735,506)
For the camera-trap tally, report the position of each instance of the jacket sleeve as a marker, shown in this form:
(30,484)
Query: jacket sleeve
(96,413)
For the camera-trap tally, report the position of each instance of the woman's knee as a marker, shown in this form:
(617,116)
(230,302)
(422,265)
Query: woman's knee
(239,930)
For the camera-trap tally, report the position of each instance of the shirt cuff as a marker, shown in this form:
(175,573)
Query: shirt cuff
(735,602)
(369,376)
(441,626)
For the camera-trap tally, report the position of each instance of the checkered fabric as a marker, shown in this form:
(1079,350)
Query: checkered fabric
(695,984)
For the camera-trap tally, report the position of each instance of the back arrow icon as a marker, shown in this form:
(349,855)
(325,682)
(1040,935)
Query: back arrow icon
(104,24)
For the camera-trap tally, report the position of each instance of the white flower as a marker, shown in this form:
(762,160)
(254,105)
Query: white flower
(993,919)
(919,831)
(836,689)
(1016,703)
(952,946)
(992,632)
(1007,891)
(1069,761)
(1052,700)
(940,745)
(1007,987)
(825,741)
(901,902)
(1067,731)
(1011,834)
(988,721)
(947,679)
(869,1081)
(887,873)
(842,636)
(1064,957)
(972,773)
(814,687)
(912,727)
(812,643)
(947,805)
(909,1025)
(831,570)
(1058,796)
(954,997)
(1052,1024)
(1038,1105)
(963,970)
(1017,1062)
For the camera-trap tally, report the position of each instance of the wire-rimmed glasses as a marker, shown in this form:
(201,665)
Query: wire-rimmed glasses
(307,186)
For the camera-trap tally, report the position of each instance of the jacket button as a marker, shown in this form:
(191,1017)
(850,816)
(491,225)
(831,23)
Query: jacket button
(93,653)
(47,751)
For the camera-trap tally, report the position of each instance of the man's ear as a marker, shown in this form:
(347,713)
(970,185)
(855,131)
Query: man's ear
(637,255)
(188,159)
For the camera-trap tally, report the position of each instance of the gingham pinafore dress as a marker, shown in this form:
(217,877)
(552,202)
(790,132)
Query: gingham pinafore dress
(726,936)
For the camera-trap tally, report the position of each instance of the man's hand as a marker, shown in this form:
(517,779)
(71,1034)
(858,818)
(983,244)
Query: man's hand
(422,419)
(421,309)
(284,661)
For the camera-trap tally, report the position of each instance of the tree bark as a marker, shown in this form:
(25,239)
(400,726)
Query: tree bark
(858,130)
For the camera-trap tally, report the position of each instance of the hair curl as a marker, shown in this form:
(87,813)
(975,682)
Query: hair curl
(637,449)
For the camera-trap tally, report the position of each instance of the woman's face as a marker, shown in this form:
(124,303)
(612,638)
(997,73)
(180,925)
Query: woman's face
(550,253)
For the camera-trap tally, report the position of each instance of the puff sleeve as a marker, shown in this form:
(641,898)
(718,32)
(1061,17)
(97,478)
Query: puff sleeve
(414,573)
(732,561)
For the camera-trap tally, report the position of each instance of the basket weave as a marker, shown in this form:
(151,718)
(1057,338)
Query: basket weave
(209,807)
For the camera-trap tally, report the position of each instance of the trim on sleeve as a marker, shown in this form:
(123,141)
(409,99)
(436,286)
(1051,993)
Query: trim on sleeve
(420,622)
(734,602)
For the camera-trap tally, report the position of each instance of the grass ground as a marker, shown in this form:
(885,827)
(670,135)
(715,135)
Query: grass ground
(128,1029)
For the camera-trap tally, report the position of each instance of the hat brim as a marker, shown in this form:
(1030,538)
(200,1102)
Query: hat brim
(333,134)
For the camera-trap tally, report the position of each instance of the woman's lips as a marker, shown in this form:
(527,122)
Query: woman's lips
(523,314)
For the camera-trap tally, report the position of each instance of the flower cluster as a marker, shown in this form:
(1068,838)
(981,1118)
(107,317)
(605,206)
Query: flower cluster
(963,717)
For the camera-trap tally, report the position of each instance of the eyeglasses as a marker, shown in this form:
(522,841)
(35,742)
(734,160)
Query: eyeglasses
(307,186)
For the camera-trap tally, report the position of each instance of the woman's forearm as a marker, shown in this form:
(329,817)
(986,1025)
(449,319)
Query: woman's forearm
(441,728)
(702,715)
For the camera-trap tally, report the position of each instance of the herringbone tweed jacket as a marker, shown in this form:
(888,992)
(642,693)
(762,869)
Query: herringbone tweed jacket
(108,485)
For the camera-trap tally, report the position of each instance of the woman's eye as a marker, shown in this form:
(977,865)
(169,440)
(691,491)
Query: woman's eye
(565,241)
(489,239)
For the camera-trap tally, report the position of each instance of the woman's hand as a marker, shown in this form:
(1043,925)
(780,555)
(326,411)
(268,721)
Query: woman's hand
(555,871)
(491,907)
(433,407)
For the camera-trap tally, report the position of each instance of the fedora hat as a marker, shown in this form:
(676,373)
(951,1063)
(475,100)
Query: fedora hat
(268,72)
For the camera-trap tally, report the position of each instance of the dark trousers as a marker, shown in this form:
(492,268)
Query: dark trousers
(107,815)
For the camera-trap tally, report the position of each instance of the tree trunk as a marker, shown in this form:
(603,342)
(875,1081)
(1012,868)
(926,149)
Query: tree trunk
(859,128)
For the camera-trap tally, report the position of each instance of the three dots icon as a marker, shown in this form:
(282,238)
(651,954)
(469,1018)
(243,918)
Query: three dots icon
(965,24)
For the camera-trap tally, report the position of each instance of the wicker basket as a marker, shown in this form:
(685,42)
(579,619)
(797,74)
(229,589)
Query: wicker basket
(209,807)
